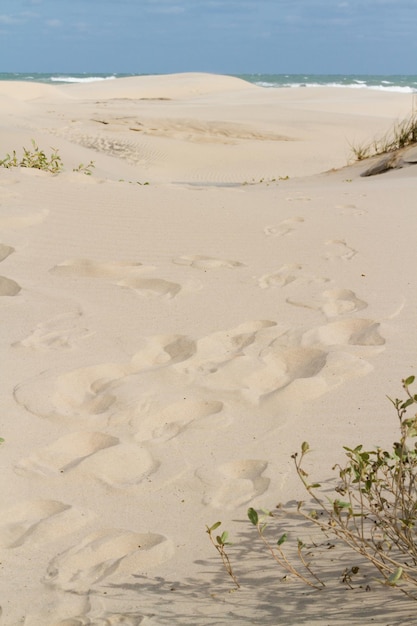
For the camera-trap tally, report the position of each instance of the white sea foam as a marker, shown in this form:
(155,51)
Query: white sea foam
(77,79)
(356,85)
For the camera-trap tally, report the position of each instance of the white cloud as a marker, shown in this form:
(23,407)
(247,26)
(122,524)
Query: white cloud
(165,8)
(8,19)
(54,23)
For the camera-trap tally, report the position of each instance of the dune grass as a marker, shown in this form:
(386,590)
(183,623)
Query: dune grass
(402,135)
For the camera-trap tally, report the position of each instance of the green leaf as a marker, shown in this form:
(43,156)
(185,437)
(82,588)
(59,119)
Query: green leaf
(305,447)
(216,525)
(282,539)
(253,516)
(223,537)
(343,505)
(395,576)
(407,403)
(409,381)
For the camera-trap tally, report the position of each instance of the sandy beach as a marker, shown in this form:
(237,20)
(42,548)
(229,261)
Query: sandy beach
(222,287)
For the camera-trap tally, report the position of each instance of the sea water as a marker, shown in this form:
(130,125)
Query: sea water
(398,83)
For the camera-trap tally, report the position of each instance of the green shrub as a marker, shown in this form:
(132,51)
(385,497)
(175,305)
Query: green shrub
(34,158)
(374,506)
(38,159)
(369,506)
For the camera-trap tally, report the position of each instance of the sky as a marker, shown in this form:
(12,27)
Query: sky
(219,36)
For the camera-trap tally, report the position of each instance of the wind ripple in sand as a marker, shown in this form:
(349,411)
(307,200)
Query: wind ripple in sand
(39,521)
(194,130)
(110,554)
(139,153)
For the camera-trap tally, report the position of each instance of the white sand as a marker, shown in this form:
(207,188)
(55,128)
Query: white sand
(167,347)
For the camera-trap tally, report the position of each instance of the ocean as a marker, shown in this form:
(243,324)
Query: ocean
(398,83)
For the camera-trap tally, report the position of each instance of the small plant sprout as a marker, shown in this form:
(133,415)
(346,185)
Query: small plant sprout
(220,542)
(277,552)
(86,169)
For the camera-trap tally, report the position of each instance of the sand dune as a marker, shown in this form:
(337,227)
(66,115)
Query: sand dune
(168,346)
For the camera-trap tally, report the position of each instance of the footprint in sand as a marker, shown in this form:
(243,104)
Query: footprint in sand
(88,454)
(87,390)
(15,222)
(39,521)
(339,250)
(206,262)
(57,333)
(282,366)
(65,453)
(5,251)
(341,301)
(121,466)
(350,209)
(151,287)
(284,228)
(354,332)
(216,349)
(174,418)
(110,554)
(98,389)
(123,274)
(298,199)
(234,483)
(286,275)
(163,350)
(336,302)
(94,269)
(94,390)
(8,287)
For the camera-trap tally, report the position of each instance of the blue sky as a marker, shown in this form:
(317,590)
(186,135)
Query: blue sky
(221,36)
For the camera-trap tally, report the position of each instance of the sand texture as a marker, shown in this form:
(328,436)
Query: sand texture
(167,346)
